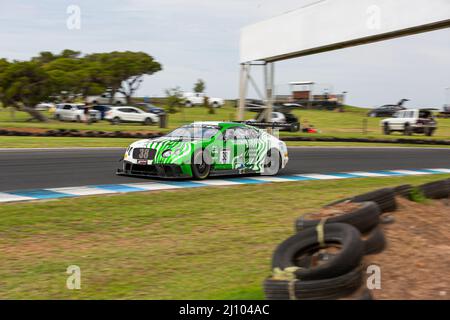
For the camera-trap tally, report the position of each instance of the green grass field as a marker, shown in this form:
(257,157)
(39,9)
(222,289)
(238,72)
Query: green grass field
(209,243)
(330,123)
(348,124)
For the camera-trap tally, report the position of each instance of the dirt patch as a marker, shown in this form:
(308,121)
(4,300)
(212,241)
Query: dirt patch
(416,262)
(335,210)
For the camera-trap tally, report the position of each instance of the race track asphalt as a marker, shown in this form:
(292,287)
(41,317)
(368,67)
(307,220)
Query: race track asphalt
(31,169)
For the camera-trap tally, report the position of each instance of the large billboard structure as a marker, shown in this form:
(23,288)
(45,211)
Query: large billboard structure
(327,25)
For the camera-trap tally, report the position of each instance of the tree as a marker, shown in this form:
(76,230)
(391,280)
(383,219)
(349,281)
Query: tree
(174,99)
(200,86)
(75,76)
(123,72)
(23,85)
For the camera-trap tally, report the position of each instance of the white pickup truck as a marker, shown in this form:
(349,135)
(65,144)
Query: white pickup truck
(195,99)
(411,121)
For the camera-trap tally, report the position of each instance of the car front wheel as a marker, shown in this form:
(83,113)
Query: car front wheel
(386,129)
(200,168)
(408,130)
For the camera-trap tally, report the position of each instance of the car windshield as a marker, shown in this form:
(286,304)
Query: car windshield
(194,132)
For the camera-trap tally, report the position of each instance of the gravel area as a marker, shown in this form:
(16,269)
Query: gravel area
(416,262)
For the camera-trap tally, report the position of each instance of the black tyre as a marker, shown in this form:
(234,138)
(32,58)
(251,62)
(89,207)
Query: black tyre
(386,129)
(200,166)
(385,198)
(116,121)
(78,119)
(364,218)
(403,191)
(375,242)
(429,132)
(148,122)
(306,242)
(272,163)
(436,190)
(295,127)
(325,289)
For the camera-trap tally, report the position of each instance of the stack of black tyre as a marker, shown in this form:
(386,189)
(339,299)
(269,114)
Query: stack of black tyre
(356,233)
(340,275)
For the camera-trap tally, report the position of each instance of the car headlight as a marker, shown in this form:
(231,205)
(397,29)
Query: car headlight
(167,154)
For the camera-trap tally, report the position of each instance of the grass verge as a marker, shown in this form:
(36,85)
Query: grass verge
(348,124)
(208,243)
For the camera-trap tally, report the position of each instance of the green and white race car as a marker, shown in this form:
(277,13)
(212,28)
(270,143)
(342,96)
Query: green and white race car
(205,149)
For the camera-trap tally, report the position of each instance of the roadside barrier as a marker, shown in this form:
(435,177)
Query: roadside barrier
(364,218)
(324,259)
(80,134)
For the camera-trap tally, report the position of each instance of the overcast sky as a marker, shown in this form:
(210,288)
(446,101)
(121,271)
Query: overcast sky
(200,39)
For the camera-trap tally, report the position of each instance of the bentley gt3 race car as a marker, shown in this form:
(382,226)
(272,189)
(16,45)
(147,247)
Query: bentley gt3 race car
(205,149)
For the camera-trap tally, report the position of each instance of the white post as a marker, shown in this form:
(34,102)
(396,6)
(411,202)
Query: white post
(269,77)
(243,84)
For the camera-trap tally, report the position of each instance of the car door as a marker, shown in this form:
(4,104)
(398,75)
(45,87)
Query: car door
(255,150)
(137,115)
(66,111)
(229,150)
(240,147)
(396,123)
(125,114)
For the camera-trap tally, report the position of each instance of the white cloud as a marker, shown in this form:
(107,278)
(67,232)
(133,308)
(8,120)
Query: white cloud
(199,39)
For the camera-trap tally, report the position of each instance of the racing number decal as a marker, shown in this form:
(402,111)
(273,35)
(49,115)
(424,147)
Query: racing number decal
(224,156)
(144,153)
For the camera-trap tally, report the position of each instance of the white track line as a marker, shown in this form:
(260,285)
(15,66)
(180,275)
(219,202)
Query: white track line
(6,197)
(368,174)
(218,182)
(82,191)
(152,186)
(320,176)
(410,172)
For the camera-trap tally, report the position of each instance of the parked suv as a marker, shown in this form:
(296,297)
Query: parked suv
(411,121)
(117,115)
(75,112)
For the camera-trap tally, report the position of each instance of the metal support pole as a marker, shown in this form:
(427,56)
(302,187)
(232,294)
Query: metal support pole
(269,77)
(243,84)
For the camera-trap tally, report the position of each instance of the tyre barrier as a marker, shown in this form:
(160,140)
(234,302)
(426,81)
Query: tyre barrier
(307,241)
(384,198)
(374,242)
(364,218)
(403,191)
(324,289)
(436,190)
(357,233)
(336,277)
